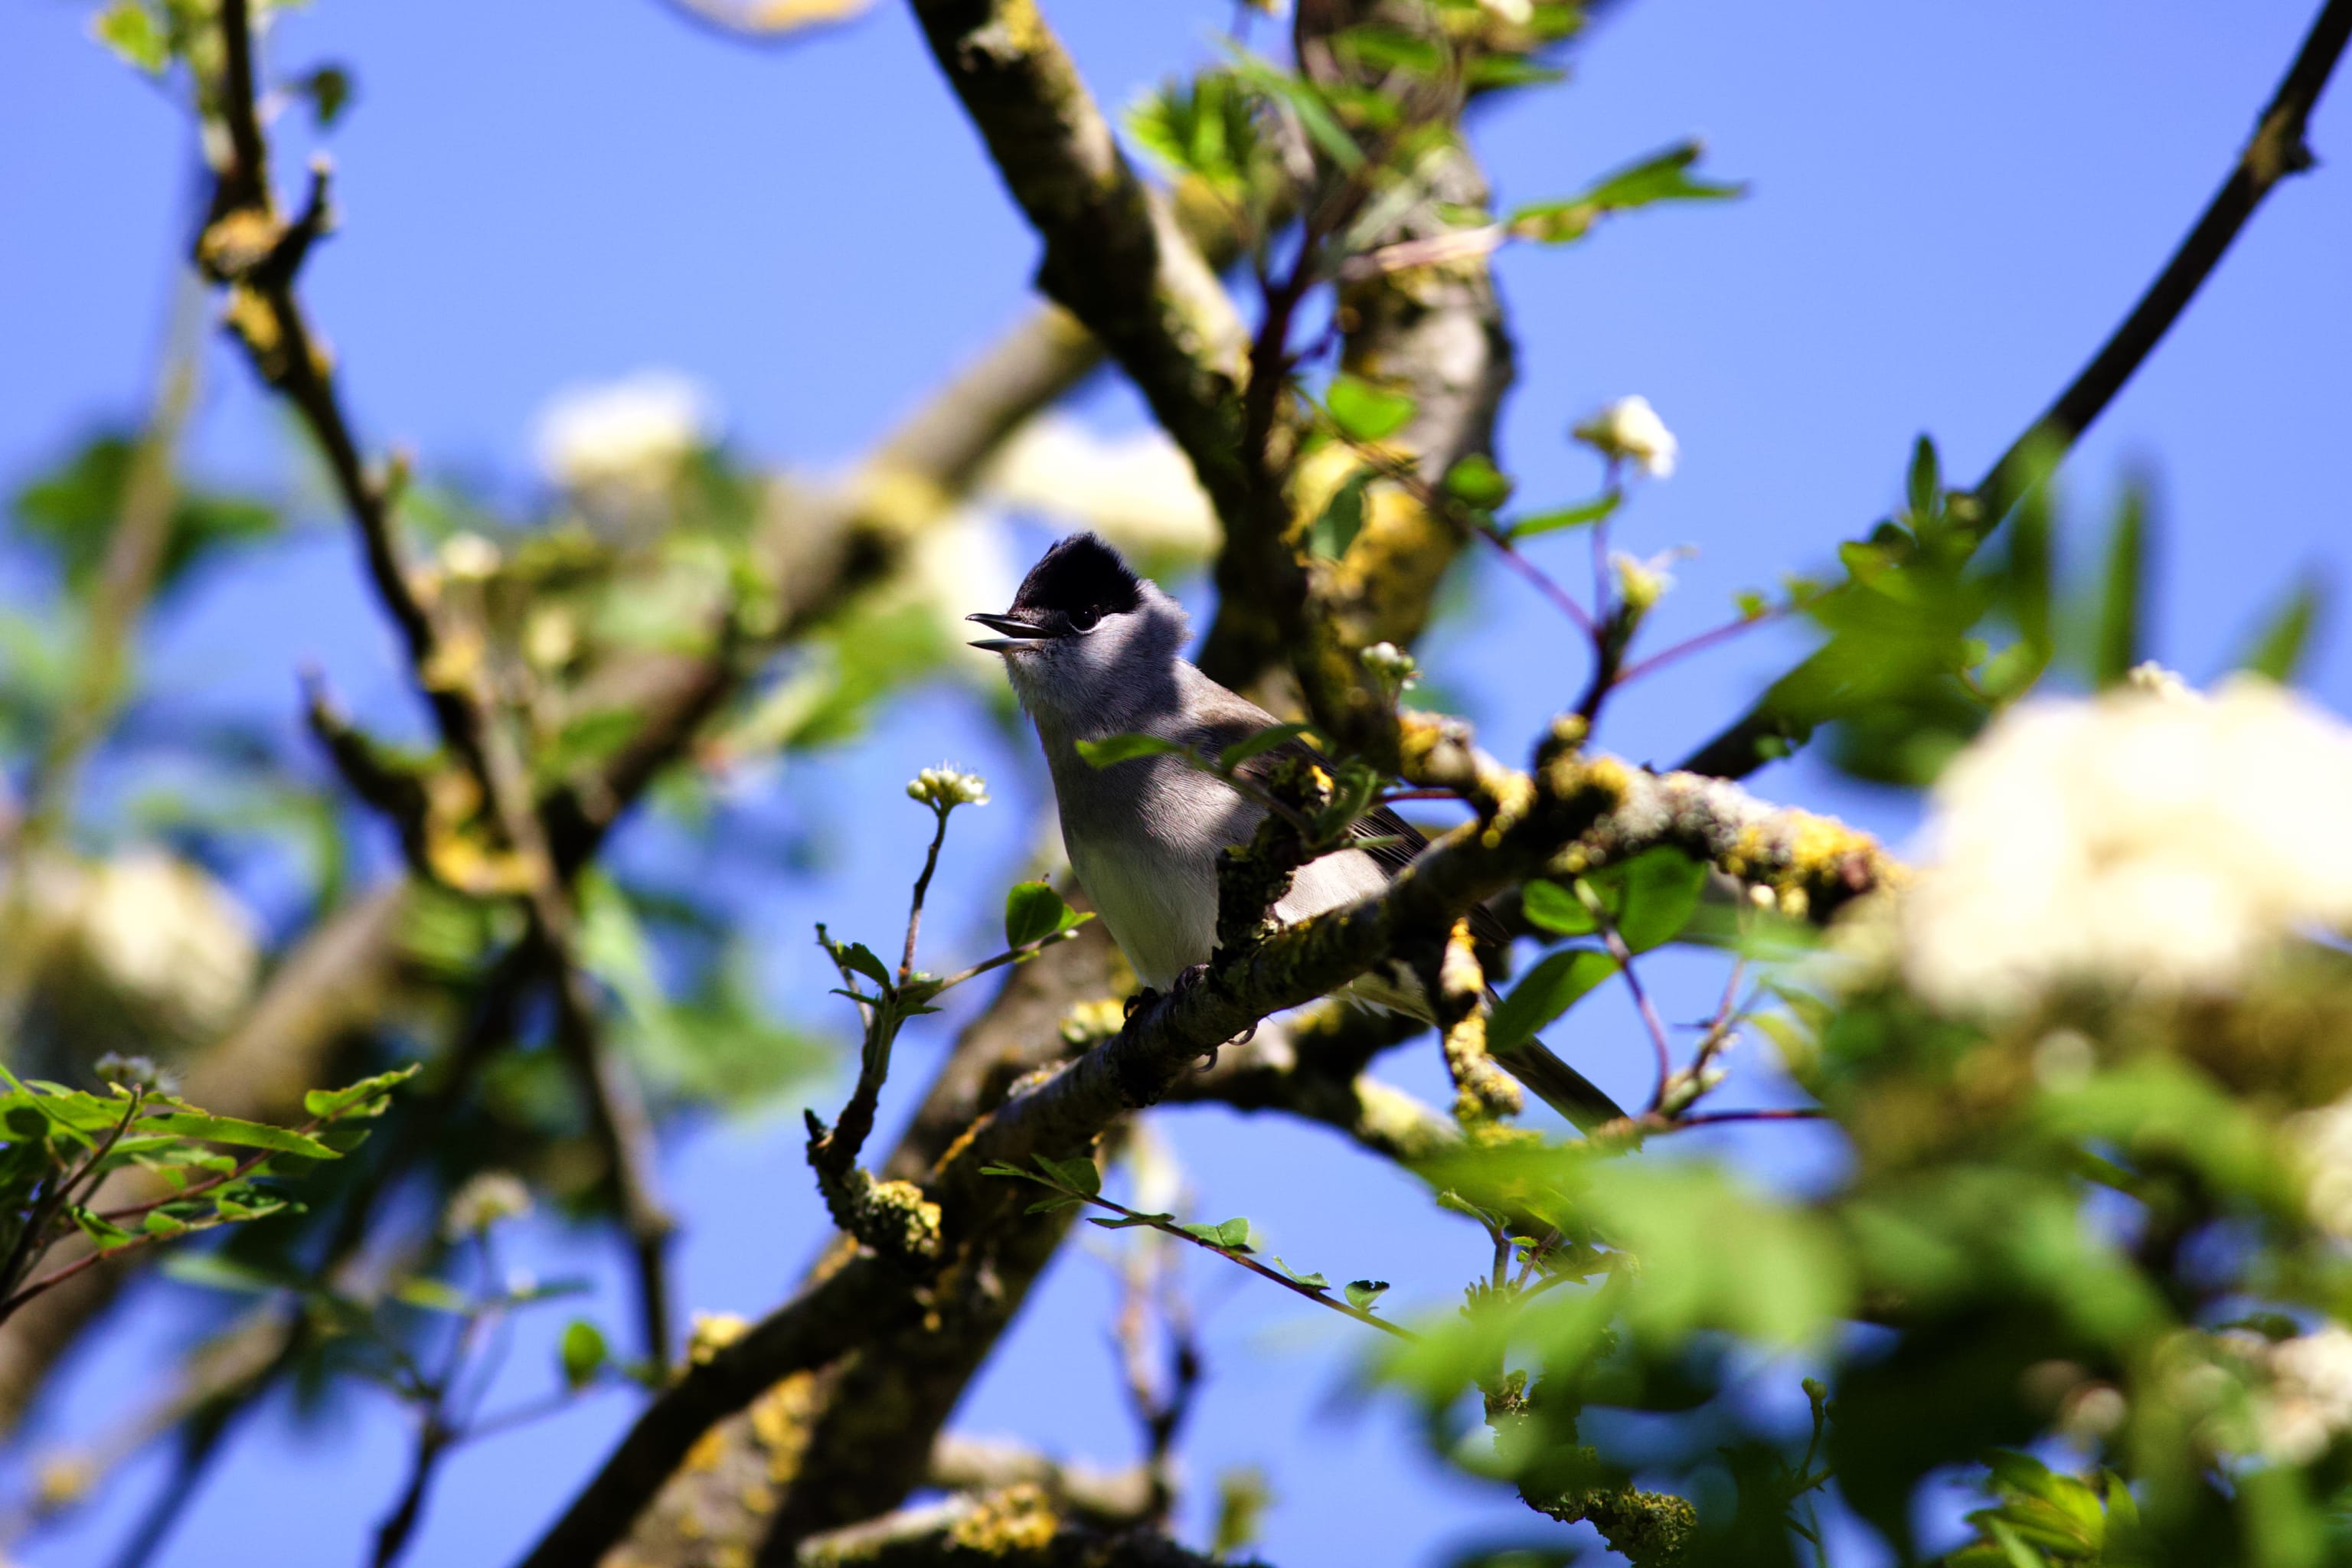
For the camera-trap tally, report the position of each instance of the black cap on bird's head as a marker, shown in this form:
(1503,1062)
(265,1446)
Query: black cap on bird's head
(1077,584)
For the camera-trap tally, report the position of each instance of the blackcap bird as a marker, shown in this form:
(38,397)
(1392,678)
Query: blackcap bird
(1093,650)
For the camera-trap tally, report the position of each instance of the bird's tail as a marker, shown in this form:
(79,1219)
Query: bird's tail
(1559,1086)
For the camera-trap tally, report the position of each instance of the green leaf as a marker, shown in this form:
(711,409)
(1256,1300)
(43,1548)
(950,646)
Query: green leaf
(103,1234)
(1049,1206)
(584,1352)
(1079,1172)
(1555,909)
(2279,650)
(1312,1281)
(328,88)
(1365,412)
(1032,911)
(2121,624)
(1579,516)
(130,30)
(232,1130)
(431,1295)
(1658,891)
(1362,1293)
(1476,481)
(1129,1221)
(1923,486)
(358,1098)
(1113,749)
(1383,49)
(1305,100)
(1485,72)
(1544,993)
(1342,517)
(1001,1170)
(857,956)
(1661,177)
(1233,1235)
(1255,745)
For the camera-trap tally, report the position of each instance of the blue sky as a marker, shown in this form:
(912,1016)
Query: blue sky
(1951,203)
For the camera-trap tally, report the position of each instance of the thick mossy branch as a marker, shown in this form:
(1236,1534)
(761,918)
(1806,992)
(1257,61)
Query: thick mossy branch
(1575,811)
(1482,1092)
(1114,255)
(1018,1526)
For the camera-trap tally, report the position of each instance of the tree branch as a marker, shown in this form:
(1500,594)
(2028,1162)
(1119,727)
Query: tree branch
(1806,695)
(1114,255)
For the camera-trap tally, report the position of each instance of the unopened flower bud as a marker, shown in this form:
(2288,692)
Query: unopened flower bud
(1640,583)
(1394,667)
(1630,429)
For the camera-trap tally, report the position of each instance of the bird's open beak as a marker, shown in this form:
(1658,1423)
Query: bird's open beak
(1016,633)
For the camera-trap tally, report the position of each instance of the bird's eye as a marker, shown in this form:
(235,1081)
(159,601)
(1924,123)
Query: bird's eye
(1084,620)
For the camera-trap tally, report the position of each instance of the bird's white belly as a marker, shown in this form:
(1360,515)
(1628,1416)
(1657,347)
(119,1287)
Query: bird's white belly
(1160,907)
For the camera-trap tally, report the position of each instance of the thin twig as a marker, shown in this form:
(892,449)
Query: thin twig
(2275,150)
(922,887)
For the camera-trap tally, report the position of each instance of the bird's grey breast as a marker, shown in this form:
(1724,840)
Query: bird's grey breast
(1143,836)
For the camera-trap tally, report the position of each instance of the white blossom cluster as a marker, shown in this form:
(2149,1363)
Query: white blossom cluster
(629,435)
(2148,840)
(945,786)
(2301,1394)
(1138,491)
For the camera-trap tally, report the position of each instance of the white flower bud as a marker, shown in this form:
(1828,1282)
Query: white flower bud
(1631,430)
(1391,664)
(1641,584)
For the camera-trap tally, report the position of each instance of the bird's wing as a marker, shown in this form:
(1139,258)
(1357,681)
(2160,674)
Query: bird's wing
(1396,842)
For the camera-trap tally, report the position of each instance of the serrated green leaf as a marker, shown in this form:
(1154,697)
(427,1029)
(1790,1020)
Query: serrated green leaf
(583,1352)
(1362,1293)
(1312,1281)
(235,1131)
(1365,412)
(858,957)
(1112,749)
(1544,993)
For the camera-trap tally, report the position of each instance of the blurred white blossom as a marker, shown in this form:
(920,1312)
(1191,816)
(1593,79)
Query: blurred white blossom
(2149,838)
(2303,1393)
(1137,491)
(468,557)
(158,934)
(487,1198)
(2320,1142)
(631,434)
(1631,430)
